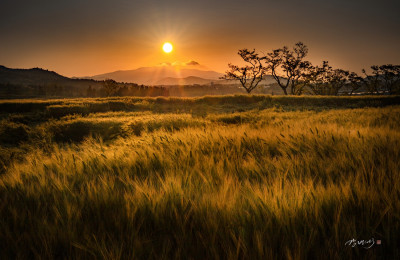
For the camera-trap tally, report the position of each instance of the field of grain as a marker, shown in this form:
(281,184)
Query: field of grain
(226,177)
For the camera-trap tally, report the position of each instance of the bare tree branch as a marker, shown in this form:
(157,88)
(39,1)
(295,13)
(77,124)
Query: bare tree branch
(249,76)
(291,63)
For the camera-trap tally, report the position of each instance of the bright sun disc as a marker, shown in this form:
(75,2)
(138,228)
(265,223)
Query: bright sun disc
(167,47)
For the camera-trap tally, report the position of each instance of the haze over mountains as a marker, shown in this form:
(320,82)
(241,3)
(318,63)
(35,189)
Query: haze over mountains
(177,73)
(196,80)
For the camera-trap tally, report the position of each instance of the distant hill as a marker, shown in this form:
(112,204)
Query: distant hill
(29,76)
(36,82)
(37,76)
(155,75)
(40,83)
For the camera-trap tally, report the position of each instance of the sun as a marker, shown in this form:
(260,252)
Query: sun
(167,47)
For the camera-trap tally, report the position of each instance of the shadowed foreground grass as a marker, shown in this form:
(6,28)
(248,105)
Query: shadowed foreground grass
(258,183)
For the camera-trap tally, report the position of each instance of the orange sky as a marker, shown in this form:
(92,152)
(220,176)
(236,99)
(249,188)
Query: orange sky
(87,37)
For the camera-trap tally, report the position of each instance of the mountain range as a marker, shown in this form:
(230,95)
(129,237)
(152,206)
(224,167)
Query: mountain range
(166,73)
(189,73)
(37,82)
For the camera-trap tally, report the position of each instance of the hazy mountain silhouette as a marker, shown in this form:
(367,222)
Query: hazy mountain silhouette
(38,76)
(157,74)
(29,76)
(39,82)
(36,82)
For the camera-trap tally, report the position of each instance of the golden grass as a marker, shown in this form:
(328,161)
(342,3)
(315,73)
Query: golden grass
(256,184)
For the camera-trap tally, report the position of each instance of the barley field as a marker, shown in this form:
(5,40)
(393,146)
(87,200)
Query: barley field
(225,177)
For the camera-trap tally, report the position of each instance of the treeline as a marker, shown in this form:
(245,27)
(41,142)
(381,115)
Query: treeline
(112,88)
(95,89)
(40,83)
(12,90)
(295,75)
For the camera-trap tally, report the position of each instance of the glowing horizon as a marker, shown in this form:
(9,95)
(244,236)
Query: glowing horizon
(124,35)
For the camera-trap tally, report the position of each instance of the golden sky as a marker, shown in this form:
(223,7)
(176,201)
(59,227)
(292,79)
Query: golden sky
(88,37)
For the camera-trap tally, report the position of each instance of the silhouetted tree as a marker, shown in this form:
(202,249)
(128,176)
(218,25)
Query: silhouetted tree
(325,80)
(371,83)
(250,75)
(355,82)
(384,79)
(110,87)
(287,67)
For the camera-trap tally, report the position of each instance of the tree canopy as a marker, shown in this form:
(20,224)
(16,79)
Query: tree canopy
(295,75)
(249,75)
